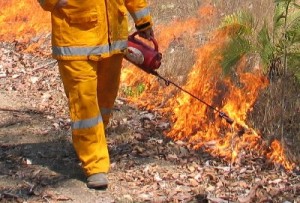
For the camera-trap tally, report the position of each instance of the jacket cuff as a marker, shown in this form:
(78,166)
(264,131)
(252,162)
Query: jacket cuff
(48,5)
(142,18)
(144,26)
(140,14)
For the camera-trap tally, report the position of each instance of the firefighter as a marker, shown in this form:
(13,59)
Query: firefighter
(88,40)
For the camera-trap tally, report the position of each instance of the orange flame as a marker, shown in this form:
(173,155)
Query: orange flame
(21,20)
(277,154)
(194,121)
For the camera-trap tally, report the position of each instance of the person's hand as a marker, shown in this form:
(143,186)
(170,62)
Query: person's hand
(61,3)
(147,34)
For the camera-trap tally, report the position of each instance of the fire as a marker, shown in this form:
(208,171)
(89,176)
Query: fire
(277,154)
(21,20)
(193,121)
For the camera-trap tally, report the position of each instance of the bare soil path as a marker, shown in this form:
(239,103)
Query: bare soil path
(37,162)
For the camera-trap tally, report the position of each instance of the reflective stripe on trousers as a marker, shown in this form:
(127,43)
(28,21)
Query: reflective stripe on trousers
(86,123)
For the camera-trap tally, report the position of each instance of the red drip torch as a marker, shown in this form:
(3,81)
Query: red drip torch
(142,55)
(149,59)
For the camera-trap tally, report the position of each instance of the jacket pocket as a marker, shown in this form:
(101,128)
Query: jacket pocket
(84,17)
(81,28)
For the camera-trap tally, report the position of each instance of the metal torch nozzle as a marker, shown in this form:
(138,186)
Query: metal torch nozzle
(226,117)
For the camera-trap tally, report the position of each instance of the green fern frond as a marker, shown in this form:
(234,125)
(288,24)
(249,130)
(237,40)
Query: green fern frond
(244,20)
(265,46)
(285,38)
(235,50)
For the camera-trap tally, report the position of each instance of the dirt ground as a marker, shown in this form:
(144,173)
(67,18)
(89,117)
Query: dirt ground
(33,154)
(38,163)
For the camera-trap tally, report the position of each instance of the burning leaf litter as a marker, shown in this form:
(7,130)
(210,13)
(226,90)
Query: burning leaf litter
(193,120)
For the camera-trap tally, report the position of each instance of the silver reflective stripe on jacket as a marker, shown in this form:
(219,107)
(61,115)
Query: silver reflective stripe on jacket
(140,14)
(118,45)
(87,123)
(86,51)
(105,111)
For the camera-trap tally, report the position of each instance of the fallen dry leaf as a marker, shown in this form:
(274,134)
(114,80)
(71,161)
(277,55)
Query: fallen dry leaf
(218,200)
(157,178)
(250,196)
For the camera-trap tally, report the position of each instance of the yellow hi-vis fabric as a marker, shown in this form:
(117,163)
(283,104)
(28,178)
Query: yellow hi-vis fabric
(93,29)
(109,72)
(91,86)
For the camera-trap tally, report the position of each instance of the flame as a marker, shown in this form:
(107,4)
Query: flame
(17,21)
(195,122)
(277,154)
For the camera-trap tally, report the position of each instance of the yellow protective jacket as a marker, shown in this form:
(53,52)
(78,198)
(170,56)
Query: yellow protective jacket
(93,29)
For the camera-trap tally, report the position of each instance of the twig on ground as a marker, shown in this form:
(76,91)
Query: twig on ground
(44,66)
(9,195)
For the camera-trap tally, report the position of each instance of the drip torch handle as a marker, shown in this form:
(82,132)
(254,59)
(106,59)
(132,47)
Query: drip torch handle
(152,39)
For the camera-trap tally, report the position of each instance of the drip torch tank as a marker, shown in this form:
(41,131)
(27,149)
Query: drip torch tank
(142,55)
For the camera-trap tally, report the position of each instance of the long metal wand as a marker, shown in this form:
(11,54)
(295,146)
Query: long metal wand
(168,82)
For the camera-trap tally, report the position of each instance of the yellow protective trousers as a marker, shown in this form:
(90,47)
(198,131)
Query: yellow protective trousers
(91,88)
